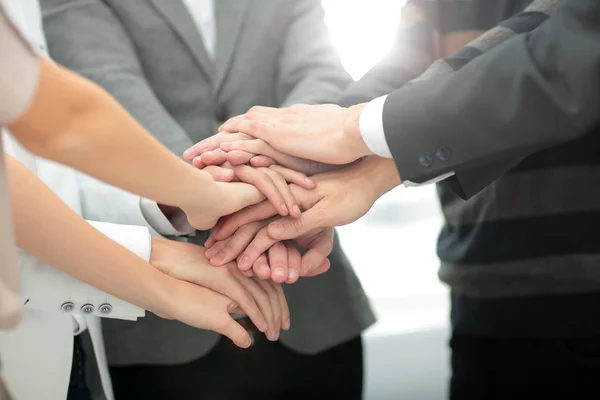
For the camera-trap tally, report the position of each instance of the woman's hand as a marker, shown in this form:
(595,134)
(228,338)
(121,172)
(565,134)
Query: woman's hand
(223,291)
(239,148)
(243,236)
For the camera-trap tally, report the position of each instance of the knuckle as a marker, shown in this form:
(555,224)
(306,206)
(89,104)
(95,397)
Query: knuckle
(254,109)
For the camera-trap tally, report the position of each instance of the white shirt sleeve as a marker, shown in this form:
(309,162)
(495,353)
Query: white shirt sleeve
(370,124)
(177,225)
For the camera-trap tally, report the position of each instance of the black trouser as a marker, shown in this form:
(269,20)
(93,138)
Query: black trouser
(267,370)
(507,369)
(78,390)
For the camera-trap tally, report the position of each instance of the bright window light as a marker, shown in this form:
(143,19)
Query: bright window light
(363,30)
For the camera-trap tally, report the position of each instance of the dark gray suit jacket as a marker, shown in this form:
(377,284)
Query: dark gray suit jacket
(149,55)
(534,91)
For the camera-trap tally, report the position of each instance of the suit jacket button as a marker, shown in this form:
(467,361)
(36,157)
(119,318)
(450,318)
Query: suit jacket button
(105,308)
(426,160)
(443,153)
(87,309)
(68,306)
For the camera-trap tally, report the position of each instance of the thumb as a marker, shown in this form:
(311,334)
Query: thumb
(290,228)
(234,331)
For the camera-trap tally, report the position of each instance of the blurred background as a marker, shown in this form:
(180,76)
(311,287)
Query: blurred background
(393,247)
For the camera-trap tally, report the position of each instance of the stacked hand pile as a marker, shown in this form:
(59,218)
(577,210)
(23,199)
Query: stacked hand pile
(310,186)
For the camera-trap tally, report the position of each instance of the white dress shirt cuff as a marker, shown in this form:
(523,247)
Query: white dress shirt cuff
(370,124)
(177,225)
(429,182)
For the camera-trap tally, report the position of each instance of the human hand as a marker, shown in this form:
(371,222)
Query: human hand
(239,148)
(263,301)
(341,197)
(325,133)
(243,236)
(224,198)
(273,181)
(267,177)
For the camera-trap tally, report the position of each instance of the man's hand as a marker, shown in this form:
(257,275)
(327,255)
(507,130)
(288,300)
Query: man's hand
(325,133)
(341,197)
(226,289)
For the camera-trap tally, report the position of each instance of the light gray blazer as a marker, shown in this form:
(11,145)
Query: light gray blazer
(149,55)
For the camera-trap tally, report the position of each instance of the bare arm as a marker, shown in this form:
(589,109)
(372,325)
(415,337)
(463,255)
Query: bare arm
(49,230)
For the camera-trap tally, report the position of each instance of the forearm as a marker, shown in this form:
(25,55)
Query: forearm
(74,122)
(47,229)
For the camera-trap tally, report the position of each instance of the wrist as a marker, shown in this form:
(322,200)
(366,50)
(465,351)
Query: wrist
(198,192)
(351,132)
(381,175)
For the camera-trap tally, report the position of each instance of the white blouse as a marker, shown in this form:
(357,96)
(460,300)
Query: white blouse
(18,81)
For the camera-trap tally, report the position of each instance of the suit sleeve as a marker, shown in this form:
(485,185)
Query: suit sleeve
(47,289)
(310,70)
(86,36)
(532,92)
(107,203)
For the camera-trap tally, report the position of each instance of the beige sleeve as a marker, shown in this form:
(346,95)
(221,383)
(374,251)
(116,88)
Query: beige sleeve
(19,67)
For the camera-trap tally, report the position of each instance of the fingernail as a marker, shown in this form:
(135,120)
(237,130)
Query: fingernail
(263,327)
(276,229)
(294,275)
(276,336)
(208,244)
(226,146)
(244,263)
(283,209)
(218,258)
(264,270)
(279,273)
(248,343)
(309,181)
(286,325)
(226,174)
(297,209)
(189,153)
(210,252)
